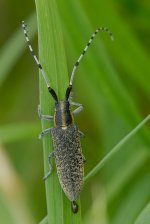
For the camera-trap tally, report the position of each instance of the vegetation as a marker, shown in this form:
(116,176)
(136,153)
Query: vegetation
(112,82)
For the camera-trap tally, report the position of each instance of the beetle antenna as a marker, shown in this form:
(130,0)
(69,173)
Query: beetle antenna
(52,92)
(85,49)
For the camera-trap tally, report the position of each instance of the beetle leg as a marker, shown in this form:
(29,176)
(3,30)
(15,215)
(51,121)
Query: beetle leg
(81,133)
(44,117)
(51,155)
(44,132)
(79,109)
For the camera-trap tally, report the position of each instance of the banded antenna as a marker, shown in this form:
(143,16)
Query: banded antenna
(85,49)
(52,92)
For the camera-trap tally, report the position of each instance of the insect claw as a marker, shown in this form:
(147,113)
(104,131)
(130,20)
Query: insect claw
(47,175)
(40,136)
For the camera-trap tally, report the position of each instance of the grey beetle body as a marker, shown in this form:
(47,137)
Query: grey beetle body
(67,151)
(69,160)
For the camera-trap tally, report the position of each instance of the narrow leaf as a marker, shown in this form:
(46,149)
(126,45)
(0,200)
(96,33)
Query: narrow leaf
(95,170)
(52,58)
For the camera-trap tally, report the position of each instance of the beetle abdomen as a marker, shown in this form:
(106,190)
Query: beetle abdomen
(69,160)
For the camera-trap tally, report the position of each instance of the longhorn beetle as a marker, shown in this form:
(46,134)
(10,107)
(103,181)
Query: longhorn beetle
(65,134)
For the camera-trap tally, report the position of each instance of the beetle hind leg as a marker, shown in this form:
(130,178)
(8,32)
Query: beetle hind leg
(81,133)
(51,155)
(44,132)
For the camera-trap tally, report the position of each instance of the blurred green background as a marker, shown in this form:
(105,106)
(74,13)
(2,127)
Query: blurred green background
(113,84)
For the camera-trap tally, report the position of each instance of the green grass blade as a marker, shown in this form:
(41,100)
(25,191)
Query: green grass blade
(44,221)
(144,216)
(15,44)
(52,57)
(133,201)
(116,149)
(126,172)
(128,50)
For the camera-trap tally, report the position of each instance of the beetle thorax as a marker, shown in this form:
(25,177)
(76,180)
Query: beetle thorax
(63,116)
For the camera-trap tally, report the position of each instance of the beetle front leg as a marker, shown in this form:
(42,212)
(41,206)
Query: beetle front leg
(44,117)
(45,132)
(51,155)
(79,109)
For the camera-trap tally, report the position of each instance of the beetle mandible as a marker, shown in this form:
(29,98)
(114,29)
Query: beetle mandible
(65,134)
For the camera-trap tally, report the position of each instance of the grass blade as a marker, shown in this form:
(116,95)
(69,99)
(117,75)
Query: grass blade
(15,44)
(44,221)
(52,57)
(144,216)
(116,149)
(128,50)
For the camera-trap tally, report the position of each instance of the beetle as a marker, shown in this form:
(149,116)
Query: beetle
(65,133)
